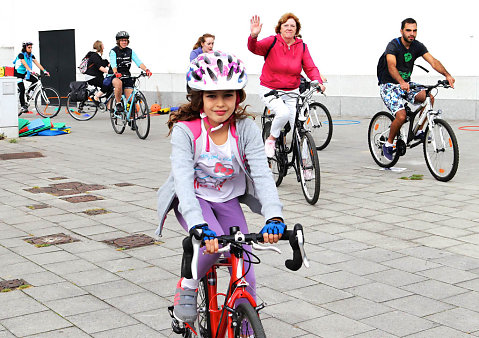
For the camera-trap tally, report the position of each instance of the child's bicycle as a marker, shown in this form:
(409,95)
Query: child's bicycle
(233,318)
(136,113)
(305,160)
(441,151)
(87,109)
(46,100)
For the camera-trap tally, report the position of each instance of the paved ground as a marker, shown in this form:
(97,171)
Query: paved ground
(389,257)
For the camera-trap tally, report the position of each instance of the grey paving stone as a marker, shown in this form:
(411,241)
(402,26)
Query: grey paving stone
(395,277)
(35,323)
(438,242)
(158,319)
(334,325)
(146,275)
(138,331)
(468,300)
(16,303)
(471,285)
(76,305)
(399,323)
(123,264)
(411,264)
(52,257)
(448,275)
(302,311)
(138,302)
(328,256)
(378,292)
(64,268)
(434,289)
(459,262)
(460,319)
(346,246)
(418,305)
(440,331)
(89,277)
(357,308)
(377,255)
(113,289)
(360,266)
(70,332)
(318,294)
(16,270)
(283,282)
(341,279)
(54,291)
(101,255)
(42,278)
(101,320)
(374,334)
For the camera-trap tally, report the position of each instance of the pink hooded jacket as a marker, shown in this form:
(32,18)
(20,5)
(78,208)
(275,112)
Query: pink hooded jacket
(282,68)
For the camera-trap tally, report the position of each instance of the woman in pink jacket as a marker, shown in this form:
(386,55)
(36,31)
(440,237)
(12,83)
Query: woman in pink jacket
(286,55)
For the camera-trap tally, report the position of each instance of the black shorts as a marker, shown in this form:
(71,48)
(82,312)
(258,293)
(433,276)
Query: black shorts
(128,82)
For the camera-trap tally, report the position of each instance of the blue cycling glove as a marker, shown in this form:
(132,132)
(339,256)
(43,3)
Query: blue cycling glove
(274,227)
(206,233)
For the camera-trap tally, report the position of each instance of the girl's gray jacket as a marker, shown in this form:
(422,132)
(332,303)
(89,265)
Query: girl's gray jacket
(261,194)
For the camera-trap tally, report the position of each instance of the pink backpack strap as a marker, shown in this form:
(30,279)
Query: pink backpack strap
(195,128)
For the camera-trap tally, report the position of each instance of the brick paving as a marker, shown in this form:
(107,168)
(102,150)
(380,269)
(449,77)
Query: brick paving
(389,257)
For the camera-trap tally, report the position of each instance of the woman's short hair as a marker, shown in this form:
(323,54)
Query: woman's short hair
(202,39)
(98,46)
(285,17)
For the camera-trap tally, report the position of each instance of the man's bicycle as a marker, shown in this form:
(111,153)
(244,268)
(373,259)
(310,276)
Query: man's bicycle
(440,148)
(136,113)
(46,100)
(304,160)
(238,315)
(87,109)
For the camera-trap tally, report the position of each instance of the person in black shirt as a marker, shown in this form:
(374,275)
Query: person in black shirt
(96,68)
(394,74)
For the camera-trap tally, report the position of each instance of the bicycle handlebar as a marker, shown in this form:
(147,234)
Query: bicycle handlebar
(277,93)
(191,246)
(133,77)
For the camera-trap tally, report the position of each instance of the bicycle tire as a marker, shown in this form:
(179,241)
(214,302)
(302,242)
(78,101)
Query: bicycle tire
(319,124)
(249,322)
(141,118)
(442,163)
(275,163)
(203,320)
(117,122)
(378,133)
(309,170)
(47,102)
(81,111)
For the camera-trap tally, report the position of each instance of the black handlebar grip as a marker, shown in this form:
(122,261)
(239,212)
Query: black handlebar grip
(187,257)
(273,92)
(295,263)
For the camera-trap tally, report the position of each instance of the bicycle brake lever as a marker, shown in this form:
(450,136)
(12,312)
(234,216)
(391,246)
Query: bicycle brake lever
(194,261)
(260,247)
(226,248)
(301,248)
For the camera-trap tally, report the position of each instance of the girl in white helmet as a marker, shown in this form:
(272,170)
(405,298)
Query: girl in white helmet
(217,162)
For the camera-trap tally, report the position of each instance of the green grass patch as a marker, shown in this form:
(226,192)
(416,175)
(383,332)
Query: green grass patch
(414,177)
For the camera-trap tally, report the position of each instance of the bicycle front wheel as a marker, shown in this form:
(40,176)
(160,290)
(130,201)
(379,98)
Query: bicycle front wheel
(141,117)
(203,320)
(47,102)
(249,323)
(441,151)
(276,162)
(81,111)
(118,121)
(319,124)
(308,167)
(378,134)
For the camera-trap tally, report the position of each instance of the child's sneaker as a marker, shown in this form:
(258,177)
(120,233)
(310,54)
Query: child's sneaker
(185,308)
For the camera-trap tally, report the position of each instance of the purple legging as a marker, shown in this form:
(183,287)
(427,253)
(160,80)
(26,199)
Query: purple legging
(220,217)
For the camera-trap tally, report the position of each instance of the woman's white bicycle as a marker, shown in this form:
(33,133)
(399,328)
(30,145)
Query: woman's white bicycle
(45,100)
(441,151)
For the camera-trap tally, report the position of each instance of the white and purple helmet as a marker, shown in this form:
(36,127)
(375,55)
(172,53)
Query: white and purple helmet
(216,71)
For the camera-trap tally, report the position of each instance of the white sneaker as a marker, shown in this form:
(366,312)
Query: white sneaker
(269,147)
(308,174)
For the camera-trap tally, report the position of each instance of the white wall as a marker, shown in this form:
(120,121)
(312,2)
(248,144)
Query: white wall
(346,37)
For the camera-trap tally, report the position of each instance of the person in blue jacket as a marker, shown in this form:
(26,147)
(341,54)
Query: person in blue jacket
(24,71)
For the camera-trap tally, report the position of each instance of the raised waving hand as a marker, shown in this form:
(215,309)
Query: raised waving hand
(255,26)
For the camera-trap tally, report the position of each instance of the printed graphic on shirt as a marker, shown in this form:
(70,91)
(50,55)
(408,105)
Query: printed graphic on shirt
(212,171)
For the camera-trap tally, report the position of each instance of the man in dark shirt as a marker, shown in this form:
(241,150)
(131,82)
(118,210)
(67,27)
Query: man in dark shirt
(394,77)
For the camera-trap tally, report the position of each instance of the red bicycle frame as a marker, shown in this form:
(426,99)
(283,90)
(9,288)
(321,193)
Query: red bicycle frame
(236,283)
